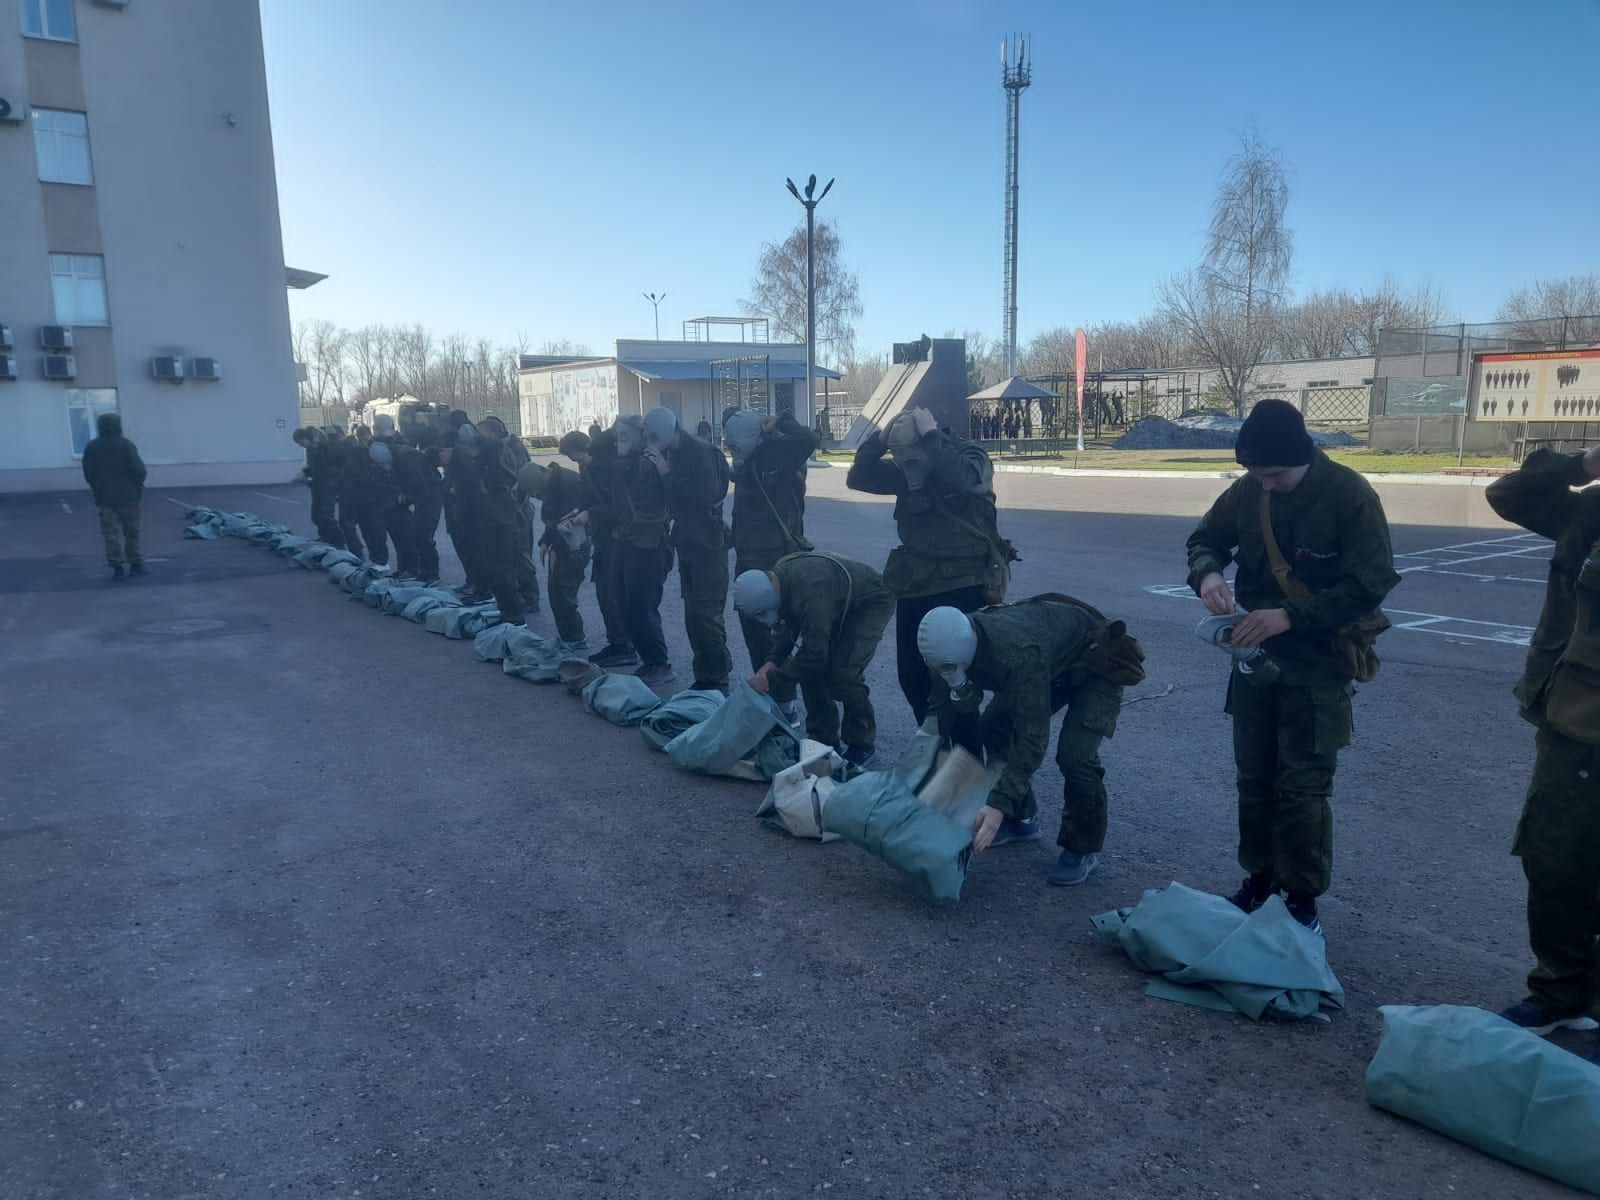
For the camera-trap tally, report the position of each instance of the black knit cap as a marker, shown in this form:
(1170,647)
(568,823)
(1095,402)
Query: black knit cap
(1274,435)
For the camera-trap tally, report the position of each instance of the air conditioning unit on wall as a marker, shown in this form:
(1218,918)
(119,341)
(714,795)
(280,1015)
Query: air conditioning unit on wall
(8,366)
(5,338)
(206,369)
(55,337)
(167,367)
(12,111)
(59,366)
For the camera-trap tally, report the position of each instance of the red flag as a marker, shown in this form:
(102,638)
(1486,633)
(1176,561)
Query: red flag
(1082,356)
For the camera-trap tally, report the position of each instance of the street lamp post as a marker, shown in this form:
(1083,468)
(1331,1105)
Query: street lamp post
(466,390)
(811,286)
(655,303)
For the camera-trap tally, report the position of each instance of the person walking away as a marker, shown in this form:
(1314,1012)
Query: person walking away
(769,511)
(695,479)
(827,615)
(115,474)
(1033,658)
(644,551)
(1314,564)
(564,545)
(597,467)
(951,553)
(1558,835)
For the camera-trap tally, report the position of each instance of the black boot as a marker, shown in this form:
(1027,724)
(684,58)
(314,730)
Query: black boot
(1304,910)
(1253,893)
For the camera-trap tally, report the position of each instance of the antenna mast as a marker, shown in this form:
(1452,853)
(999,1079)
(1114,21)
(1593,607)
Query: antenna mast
(1015,75)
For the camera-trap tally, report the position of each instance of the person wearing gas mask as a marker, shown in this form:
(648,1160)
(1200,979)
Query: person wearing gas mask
(826,616)
(643,548)
(951,553)
(1034,658)
(351,456)
(695,480)
(322,473)
(597,461)
(463,505)
(1314,564)
(1558,835)
(769,512)
(416,470)
(389,498)
(564,545)
(508,567)
(372,491)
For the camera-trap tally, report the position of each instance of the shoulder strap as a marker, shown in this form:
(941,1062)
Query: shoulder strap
(849,582)
(773,509)
(1292,588)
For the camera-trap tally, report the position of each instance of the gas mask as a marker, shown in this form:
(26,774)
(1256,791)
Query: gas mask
(755,597)
(908,451)
(660,429)
(630,438)
(948,644)
(742,434)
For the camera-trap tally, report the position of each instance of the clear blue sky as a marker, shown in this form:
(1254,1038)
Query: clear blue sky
(505,167)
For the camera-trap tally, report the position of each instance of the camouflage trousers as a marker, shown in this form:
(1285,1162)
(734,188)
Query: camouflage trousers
(1286,743)
(842,684)
(120,528)
(1558,840)
(566,569)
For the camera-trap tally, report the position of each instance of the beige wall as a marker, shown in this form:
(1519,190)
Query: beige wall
(184,205)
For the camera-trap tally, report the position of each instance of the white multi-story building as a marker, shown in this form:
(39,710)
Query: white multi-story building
(141,259)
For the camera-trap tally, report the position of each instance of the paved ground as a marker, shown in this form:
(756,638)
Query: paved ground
(298,900)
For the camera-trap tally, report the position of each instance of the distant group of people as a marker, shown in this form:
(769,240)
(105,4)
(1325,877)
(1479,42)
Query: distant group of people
(1307,536)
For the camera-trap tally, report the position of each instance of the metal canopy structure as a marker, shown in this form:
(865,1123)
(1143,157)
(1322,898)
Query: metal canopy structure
(1015,388)
(722,329)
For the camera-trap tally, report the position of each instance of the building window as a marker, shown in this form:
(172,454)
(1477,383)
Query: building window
(49,19)
(84,406)
(79,283)
(61,140)
(1323,383)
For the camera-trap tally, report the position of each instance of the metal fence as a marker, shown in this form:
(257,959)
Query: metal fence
(1445,351)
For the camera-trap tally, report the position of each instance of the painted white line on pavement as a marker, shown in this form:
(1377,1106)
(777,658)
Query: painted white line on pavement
(279,499)
(179,503)
(65,507)
(1414,622)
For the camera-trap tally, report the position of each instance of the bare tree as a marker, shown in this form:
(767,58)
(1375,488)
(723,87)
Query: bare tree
(319,346)
(1336,323)
(371,351)
(862,376)
(564,347)
(779,290)
(985,359)
(1228,308)
(1538,310)
(413,356)
(1050,352)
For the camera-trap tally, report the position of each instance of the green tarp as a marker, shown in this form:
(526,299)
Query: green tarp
(1212,955)
(730,741)
(1476,1077)
(398,599)
(419,607)
(458,623)
(538,661)
(672,716)
(494,643)
(928,836)
(620,699)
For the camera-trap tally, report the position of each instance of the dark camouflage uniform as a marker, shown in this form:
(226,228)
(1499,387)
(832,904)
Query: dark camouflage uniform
(831,618)
(1287,734)
(1558,836)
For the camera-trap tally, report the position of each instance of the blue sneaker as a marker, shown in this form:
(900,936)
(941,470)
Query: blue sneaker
(1012,831)
(1072,869)
(1533,1016)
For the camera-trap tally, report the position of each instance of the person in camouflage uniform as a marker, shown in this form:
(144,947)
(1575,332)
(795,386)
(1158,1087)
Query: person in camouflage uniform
(563,546)
(322,473)
(826,616)
(1287,732)
(949,541)
(503,521)
(1034,658)
(769,509)
(115,474)
(463,503)
(695,479)
(643,546)
(1558,836)
(596,456)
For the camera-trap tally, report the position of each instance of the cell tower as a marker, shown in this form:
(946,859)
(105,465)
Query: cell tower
(1015,76)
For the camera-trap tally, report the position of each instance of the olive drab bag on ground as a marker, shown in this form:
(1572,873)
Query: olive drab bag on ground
(1572,697)
(1357,643)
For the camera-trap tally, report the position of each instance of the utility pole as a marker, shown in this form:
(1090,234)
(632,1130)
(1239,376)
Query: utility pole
(1015,76)
(811,290)
(655,303)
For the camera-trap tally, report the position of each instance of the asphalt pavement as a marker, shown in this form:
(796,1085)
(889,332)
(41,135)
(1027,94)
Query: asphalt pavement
(298,900)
